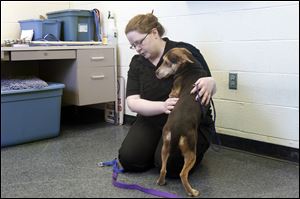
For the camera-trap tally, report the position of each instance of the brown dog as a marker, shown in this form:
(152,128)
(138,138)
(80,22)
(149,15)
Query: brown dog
(181,127)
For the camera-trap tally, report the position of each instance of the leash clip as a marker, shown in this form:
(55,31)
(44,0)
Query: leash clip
(100,164)
(108,163)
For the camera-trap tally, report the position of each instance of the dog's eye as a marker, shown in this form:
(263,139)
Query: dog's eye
(173,60)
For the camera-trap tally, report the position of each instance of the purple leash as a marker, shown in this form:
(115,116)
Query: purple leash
(117,170)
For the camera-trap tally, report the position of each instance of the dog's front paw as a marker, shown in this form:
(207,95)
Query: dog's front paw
(194,193)
(161,182)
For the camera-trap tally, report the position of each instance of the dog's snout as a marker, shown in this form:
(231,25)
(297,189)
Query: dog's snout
(157,73)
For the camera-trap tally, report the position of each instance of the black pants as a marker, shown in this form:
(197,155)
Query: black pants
(141,148)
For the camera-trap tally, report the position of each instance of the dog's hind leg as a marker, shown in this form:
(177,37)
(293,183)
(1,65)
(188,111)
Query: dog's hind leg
(165,152)
(189,161)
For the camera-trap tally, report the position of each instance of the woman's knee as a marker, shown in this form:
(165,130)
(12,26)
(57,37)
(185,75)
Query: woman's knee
(138,148)
(133,161)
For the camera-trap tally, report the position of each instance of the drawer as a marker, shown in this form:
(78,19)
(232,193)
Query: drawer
(95,57)
(96,85)
(43,55)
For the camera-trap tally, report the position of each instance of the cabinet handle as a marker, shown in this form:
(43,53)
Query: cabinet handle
(97,77)
(97,58)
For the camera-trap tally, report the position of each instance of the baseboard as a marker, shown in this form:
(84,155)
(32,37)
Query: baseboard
(252,146)
(261,148)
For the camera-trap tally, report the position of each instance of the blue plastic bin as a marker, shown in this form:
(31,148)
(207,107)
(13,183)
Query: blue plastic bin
(30,114)
(42,27)
(77,25)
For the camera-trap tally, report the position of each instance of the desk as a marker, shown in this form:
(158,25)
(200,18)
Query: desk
(88,72)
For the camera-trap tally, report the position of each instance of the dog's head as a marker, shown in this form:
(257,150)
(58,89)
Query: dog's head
(173,60)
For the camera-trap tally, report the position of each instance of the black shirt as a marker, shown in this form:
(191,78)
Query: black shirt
(142,80)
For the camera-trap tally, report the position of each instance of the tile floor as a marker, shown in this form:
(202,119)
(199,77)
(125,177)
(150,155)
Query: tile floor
(65,166)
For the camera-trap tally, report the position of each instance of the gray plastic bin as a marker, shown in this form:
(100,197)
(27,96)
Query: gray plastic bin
(77,25)
(30,114)
(42,27)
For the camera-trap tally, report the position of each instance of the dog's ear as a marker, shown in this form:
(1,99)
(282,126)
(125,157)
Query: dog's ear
(187,58)
(179,55)
(187,55)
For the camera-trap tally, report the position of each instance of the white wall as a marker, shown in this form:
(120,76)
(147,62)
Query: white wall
(13,11)
(257,40)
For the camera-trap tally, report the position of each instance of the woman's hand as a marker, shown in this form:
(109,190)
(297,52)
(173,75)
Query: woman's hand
(169,104)
(206,88)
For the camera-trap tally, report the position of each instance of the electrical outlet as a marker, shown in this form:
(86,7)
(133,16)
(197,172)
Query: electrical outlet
(233,81)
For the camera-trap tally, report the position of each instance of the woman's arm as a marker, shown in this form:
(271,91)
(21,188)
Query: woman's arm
(150,108)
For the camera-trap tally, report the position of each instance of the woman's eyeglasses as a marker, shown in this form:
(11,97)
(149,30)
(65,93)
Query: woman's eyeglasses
(138,43)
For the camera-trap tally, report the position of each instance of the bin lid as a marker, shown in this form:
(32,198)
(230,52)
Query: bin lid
(40,20)
(74,12)
(51,86)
